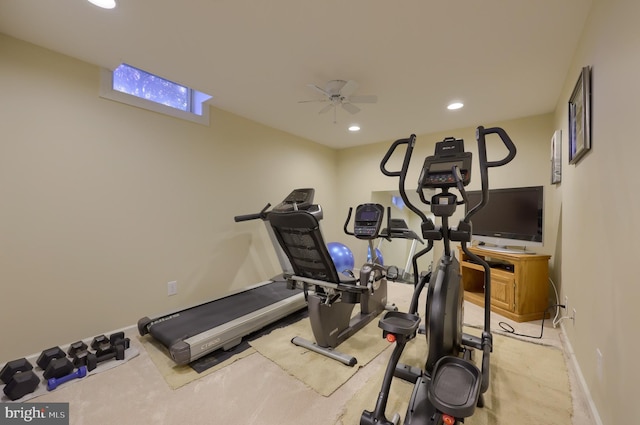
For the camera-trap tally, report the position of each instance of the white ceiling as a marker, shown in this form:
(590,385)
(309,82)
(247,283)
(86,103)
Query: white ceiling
(503,58)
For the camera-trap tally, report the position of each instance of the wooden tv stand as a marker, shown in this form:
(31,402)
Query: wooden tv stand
(521,294)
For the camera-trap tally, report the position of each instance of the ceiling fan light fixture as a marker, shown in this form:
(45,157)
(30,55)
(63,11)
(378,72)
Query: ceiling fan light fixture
(105,4)
(340,93)
(354,128)
(455,105)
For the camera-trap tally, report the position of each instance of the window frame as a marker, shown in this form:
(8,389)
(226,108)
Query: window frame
(107,92)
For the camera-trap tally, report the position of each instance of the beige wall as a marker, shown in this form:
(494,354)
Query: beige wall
(104,203)
(600,208)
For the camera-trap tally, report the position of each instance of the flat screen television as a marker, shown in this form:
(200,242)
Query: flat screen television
(512,217)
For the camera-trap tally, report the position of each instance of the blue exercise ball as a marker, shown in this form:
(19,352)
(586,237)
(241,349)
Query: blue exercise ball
(341,255)
(378,258)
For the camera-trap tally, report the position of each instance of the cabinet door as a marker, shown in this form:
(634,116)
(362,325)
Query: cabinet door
(502,293)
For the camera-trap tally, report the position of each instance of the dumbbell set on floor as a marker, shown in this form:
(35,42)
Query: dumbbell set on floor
(105,349)
(21,379)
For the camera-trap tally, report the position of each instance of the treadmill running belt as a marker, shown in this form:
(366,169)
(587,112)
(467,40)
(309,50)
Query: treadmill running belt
(193,321)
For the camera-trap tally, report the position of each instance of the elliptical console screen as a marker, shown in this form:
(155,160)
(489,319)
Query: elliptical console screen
(437,170)
(368,220)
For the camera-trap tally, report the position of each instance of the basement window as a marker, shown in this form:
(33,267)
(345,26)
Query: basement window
(143,89)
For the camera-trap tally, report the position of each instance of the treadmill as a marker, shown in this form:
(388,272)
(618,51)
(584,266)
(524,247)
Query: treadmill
(221,324)
(398,229)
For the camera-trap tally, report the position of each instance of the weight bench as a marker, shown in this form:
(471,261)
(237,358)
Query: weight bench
(334,295)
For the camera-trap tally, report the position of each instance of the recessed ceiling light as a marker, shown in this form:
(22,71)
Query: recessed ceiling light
(455,105)
(354,128)
(105,4)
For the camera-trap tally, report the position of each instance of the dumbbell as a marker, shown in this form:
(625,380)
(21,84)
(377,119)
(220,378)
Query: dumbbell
(48,355)
(113,347)
(100,343)
(116,353)
(78,352)
(53,361)
(119,339)
(58,368)
(20,378)
(53,383)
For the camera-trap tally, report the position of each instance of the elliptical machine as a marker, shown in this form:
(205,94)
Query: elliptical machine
(451,385)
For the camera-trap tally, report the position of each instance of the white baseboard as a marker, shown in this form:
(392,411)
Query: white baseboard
(576,367)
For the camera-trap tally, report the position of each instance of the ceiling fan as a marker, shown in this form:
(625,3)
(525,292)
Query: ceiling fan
(340,93)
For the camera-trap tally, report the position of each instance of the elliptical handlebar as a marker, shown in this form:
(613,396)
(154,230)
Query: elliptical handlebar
(481,133)
(410,142)
(346,223)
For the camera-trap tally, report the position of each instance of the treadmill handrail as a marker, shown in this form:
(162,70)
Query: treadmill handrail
(246,217)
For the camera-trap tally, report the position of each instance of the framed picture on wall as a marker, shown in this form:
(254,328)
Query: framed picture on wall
(556,157)
(580,117)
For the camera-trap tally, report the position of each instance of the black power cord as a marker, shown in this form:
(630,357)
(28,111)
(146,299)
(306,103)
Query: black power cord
(509,329)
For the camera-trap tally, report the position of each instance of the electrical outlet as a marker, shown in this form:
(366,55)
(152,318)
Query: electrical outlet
(599,365)
(172,288)
(573,317)
(566,303)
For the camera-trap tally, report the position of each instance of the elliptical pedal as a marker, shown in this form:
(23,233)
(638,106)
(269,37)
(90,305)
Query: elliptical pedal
(455,386)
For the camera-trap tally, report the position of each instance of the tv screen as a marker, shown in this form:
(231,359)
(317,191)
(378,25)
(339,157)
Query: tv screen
(511,217)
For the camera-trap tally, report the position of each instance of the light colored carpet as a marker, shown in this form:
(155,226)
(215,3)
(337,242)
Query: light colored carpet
(529,386)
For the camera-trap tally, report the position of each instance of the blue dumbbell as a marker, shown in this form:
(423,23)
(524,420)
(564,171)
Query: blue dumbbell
(53,383)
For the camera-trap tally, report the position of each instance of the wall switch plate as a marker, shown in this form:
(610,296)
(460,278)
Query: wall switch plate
(172,288)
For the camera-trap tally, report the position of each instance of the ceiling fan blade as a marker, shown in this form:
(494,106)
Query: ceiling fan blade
(313,100)
(350,108)
(349,88)
(364,98)
(326,108)
(313,86)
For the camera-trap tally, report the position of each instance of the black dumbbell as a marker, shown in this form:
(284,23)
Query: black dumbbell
(118,338)
(20,378)
(116,352)
(101,343)
(58,368)
(13,367)
(48,355)
(75,347)
(53,383)
(78,351)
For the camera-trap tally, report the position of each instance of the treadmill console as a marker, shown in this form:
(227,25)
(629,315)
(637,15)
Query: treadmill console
(298,199)
(437,171)
(368,220)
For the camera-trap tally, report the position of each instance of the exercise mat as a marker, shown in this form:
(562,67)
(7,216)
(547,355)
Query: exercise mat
(130,353)
(319,372)
(178,375)
(529,385)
